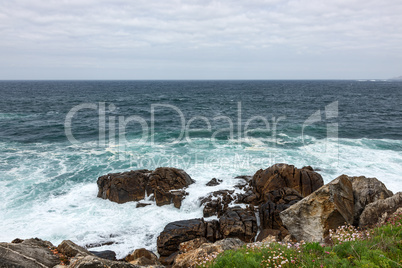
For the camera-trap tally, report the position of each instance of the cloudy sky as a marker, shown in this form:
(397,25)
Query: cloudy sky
(200,39)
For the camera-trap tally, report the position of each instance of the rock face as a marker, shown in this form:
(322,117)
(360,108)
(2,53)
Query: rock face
(134,185)
(373,211)
(240,223)
(279,176)
(278,201)
(28,253)
(327,208)
(177,232)
(217,202)
(366,191)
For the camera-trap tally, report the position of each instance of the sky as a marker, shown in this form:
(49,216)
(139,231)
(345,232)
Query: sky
(200,39)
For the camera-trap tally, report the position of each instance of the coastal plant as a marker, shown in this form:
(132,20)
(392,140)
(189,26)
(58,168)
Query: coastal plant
(380,246)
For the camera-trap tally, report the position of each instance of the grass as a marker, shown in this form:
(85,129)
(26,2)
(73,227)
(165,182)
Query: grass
(380,246)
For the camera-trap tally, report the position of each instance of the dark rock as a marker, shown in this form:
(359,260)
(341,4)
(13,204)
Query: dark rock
(279,176)
(269,232)
(17,241)
(213,231)
(33,253)
(177,232)
(177,197)
(217,202)
(168,260)
(96,245)
(373,212)
(134,185)
(71,249)
(141,205)
(278,201)
(366,191)
(123,187)
(327,208)
(105,254)
(214,182)
(238,222)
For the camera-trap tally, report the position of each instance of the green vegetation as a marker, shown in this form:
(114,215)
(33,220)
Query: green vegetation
(376,247)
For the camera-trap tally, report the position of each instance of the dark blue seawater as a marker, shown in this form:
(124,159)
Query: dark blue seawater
(209,128)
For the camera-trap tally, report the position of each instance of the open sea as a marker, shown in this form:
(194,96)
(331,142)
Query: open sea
(58,137)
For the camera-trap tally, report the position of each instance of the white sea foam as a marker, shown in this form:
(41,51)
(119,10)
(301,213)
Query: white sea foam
(49,191)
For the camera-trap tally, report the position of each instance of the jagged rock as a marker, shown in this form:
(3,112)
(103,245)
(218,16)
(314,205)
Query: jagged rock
(213,231)
(238,222)
(17,241)
(105,254)
(374,211)
(214,182)
(70,249)
(141,252)
(95,262)
(177,197)
(177,232)
(327,208)
(189,258)
(278,201)
(279,176)
(168,260)
(217,202)
(366,191)
(269,233)
(192,244)
(123,187)
(133,185)
(33,253)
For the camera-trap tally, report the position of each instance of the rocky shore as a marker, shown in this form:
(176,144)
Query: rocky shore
(280,203)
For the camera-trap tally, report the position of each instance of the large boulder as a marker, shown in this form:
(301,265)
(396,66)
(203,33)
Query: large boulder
(366,191)
(327,208)
(279,176)
(374,211)
(177,232)
(142,256)
(34,253)
(70,249)
(134,185)
(240,223)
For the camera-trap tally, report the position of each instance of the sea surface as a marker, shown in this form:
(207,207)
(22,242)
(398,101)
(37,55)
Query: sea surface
(58,137)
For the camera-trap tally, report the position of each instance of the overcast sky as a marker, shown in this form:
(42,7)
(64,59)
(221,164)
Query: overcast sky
(162,39)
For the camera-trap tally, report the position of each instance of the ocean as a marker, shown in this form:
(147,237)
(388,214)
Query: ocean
(58,137)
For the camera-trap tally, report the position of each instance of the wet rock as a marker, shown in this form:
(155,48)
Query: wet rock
(373,212)
(70,249)
(123,187)
(177,232)
(33,253)
(105,254)
(366,191)
(177,197)
(168,260)
(217,202)
(238,222)
(134,185)
(141,205)
(279,176)
(327,208)
(214,182)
